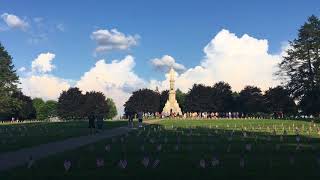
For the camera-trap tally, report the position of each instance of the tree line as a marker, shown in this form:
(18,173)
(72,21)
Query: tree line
(217,98)
(72,104)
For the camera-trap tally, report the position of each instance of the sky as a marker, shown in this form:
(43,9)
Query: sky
(117,47)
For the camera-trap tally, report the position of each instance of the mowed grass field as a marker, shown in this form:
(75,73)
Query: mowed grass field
(14,136)
(192,149)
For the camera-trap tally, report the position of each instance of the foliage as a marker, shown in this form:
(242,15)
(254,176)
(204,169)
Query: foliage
(95,102)
(144,100)
(301,66)
(278,100)
(181,99)
(310,102)
(26,109)
(198,99)
(70,104)
(251,100)
(221,99)
(8,84)
(112,109)
(164,96)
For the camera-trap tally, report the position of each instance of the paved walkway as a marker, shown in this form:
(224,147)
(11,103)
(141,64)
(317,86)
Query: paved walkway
(10,160)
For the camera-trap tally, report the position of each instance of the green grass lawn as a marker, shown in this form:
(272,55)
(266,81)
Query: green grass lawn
(14,136)
(274,153)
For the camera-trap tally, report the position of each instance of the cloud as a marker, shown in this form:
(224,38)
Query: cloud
(14,21)
(38,82)
(116,80)
(60,27)
(43,63)
(240,61)
(45,86)
(22,69)
(108,40)
(165,63)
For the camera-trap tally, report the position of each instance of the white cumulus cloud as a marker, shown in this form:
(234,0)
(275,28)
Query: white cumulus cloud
(116,80)
(44,86)
(165,63)
(240,61)
(14,21)
(108,40)
(43,63)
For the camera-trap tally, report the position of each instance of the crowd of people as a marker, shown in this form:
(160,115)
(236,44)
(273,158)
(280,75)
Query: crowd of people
(205,115)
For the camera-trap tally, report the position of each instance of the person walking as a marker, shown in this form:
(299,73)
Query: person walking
(140,117)
(92,126)
(130,119)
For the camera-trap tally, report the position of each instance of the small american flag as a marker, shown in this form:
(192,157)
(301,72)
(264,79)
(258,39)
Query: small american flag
(202,163)
(242,162)
(291,160)
(215,162)
(123,163)
(145,162)
(107,148)
(30,162)
(248,147)
(99,162)
(156,163)
(159,147)
(67,165)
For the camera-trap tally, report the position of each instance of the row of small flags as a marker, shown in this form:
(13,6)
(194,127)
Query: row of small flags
(147,162)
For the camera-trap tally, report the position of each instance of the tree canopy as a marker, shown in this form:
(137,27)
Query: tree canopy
(8,84)
(144,100)
(300,67)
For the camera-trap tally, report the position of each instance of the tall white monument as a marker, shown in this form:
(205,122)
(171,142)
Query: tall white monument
(172,105)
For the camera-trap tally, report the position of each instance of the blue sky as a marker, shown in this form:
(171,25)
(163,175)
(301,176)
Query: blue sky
(180,29)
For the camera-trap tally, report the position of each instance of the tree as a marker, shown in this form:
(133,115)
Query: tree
(111,109)
(38,104)
(144,100)
(301,66)
(26,109)
(163,99)
(198,99)
(70,104)
(251,100)
(95,102)
(221,98)
(8,84)
(181,99)
(50,108)
(310,103)
(278,100)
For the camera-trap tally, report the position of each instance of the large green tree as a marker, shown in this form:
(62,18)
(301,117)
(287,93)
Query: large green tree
(198,99)
(181,99)
(70,104)
(95,102)
(8,84)
(278,99)
(251,100)
(38,104)
(111,109)
(26,109)
(301,66)
(144,100)
(221,99)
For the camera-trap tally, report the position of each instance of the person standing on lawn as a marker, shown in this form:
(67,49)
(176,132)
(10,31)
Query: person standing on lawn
(92,126)
(140,117)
